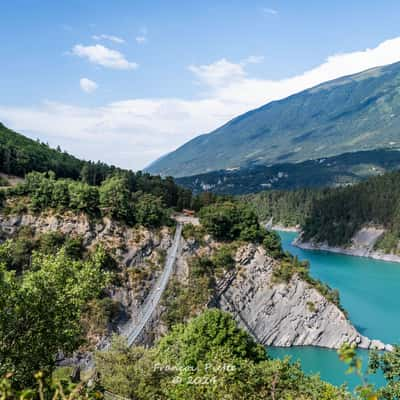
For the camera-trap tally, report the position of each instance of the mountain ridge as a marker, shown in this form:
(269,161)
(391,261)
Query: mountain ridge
(352,113)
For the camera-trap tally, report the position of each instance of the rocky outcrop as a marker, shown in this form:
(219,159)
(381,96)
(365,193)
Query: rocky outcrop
(362,245)
(139,251)
(284,314)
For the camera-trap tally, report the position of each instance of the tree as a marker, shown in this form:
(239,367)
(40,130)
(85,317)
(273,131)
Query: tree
(196,342)
(115,198)
(389,364)
(83,197)
(41,311)
(272,244)
(60,195)
(130,371)
(150,211)
(230,221)
(209,358)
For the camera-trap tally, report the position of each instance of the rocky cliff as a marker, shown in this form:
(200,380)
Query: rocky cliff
(139,252)
(284,314)
(362,244)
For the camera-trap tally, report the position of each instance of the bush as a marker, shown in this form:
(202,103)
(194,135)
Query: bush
(115,199)
(83,198)
(150,211)
(231,221)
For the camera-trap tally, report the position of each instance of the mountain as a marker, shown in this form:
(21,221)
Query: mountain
(334,171)
(352,113)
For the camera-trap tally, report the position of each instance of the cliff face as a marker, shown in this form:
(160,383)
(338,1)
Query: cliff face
(139,252)
(293,314)
(362,244)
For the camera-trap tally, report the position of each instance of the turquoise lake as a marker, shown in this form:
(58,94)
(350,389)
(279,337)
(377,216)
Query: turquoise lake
(369,291)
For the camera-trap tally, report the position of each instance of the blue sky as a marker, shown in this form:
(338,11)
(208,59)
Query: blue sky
(126,81)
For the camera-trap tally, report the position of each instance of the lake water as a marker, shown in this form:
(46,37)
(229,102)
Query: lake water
(369,291)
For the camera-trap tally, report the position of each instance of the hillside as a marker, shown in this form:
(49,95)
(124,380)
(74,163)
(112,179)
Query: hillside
(339,217)
(336,218)
(19,155)
(348,168)
(353,113)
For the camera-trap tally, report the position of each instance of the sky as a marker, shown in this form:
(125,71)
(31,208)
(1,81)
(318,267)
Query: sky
(126,81)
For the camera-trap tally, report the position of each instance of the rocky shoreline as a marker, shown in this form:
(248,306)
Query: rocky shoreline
(362,245)
(285,228)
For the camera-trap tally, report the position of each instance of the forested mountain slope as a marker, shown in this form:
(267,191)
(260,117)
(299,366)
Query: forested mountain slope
(353,113)
(348,168)
(336,217)
(19,155)
(333,216)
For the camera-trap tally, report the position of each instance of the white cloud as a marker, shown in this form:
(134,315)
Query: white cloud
(88,85)
(132,133)
(101,55)
(270,11)
(253,60)
(111,38)
(219,73)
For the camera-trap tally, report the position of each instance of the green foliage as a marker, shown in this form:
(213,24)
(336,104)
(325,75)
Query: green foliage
(130,372)
(96,316)
(54,388)
(4,181)
(150,211)
(213,329)
(41,311)
(231,221)
(196,232)
(16,253)
(20,155)
(112,199)
(83,198)
(386,362)
(272,244)
(285,207)
(389,363)
(223,258)
(210,358)
(184,300)
(115,198)
(348,354)
(337,216)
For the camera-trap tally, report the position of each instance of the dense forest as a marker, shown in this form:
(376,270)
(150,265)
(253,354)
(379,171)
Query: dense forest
(337,216)
(334,215)
(288,208)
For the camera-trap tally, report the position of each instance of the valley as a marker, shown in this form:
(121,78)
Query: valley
(141,268)
(199,200)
